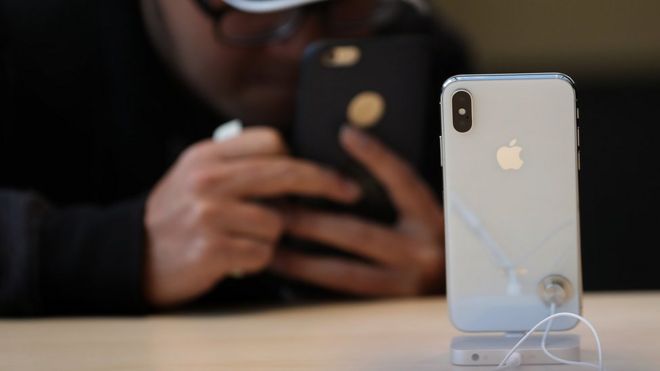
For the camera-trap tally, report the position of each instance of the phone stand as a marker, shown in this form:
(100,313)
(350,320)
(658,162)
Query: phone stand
(490,350)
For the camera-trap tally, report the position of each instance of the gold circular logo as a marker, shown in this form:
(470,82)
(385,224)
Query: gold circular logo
(366,109)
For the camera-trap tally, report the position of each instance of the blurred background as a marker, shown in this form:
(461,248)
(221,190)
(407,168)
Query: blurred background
(612,50)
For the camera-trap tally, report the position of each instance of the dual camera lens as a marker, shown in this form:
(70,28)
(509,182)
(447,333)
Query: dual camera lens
(461,106)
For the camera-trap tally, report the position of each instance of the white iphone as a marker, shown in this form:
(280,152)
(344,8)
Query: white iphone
(510,162)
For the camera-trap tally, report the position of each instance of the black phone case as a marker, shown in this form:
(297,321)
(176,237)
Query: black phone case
(399,69)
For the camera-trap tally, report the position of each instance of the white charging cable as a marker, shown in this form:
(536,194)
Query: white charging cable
(514,359)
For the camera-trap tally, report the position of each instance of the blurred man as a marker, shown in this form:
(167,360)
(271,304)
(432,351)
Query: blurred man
(105,109)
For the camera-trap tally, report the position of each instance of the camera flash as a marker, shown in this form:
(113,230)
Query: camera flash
(462,111)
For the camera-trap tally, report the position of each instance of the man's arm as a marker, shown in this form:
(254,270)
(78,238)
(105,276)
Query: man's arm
(19,260)
(69,260)
(74,260)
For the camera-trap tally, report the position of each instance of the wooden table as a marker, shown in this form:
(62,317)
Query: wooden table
(377,335)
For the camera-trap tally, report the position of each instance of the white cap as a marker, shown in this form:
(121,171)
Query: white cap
(265,6)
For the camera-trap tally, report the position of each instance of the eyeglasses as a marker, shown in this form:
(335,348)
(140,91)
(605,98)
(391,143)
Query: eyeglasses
(339,18)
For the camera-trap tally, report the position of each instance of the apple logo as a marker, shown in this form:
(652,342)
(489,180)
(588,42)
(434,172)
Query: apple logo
(509,157)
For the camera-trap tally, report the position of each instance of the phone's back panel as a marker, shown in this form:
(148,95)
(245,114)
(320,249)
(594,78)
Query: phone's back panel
(511,200)
(398,70)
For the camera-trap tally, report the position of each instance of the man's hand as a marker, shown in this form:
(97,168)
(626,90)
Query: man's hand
(203,222)
(408,259)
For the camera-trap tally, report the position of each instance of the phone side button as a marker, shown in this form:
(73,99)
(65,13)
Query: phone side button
(442,164)
(578,136)
(579,161)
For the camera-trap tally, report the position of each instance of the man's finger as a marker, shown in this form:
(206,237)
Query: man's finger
(409,193)
(353,235)
(246,219)
(284,176)
(342,275)
(256,141)
(240,255)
